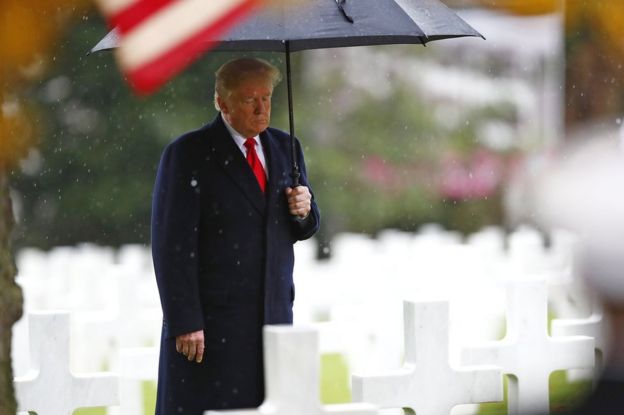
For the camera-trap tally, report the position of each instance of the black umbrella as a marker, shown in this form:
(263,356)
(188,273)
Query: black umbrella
(321,24)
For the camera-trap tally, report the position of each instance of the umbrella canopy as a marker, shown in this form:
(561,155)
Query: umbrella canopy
(321,24)
(337,23)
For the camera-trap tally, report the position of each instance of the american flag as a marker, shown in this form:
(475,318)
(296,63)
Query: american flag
(159,38)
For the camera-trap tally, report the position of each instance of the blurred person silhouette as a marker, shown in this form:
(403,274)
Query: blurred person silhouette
(583,191)
(224,221)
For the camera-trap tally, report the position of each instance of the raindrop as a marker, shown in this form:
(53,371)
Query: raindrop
(57,89)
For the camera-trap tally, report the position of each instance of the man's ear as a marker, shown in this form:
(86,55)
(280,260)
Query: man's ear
(222,105)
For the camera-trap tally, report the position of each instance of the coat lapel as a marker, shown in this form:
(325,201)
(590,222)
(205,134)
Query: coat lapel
(234,164)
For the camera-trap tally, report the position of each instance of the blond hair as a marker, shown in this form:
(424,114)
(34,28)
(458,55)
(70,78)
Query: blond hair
(231,73)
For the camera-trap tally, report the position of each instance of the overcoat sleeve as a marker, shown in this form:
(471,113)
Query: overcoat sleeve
(175,221)
(304,229)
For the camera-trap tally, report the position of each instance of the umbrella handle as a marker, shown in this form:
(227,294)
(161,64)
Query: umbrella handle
(295,175)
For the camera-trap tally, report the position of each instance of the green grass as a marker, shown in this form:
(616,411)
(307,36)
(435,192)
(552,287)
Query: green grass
(149,402)
(335,381)
(90,411)
(564,395)
(149,397)
(334,378)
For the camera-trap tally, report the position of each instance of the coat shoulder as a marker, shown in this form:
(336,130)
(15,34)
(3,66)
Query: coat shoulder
(190,147)
(280,137)
(189,140)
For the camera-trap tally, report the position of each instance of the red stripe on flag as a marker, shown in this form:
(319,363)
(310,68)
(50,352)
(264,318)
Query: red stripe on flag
(149,77)
(135,14)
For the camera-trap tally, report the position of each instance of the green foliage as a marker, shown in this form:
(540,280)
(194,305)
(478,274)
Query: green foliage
(92,178)
(374,160)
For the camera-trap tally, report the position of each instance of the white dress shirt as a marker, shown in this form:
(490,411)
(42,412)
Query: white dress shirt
(240,142)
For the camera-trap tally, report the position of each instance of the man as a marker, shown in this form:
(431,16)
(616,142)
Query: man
(224,221)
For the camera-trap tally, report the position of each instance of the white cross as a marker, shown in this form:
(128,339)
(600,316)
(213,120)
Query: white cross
(99,335)
(50,388)
(136,364)
(527,352)
(427,383)
(592,326)
(291,361)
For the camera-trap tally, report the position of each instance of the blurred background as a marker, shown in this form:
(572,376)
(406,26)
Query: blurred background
(395,137)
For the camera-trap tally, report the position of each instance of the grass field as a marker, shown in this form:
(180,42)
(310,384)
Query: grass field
(335,388)
(564,395)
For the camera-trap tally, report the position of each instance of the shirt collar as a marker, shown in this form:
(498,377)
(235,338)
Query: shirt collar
(238,138)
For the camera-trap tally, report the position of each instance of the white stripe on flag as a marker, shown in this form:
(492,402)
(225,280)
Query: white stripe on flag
(169,27)
(112,7)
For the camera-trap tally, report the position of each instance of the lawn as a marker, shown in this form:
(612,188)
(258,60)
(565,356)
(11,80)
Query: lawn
(335,388)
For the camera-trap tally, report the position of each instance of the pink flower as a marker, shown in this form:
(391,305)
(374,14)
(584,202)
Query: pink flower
(475,178)
(377,172)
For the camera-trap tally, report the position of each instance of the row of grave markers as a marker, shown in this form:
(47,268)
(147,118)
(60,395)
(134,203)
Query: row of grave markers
(427,383)
(358,291)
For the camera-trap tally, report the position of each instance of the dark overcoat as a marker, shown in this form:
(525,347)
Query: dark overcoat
(607,397)
(223,256)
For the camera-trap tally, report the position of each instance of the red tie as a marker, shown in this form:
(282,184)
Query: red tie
(254,162)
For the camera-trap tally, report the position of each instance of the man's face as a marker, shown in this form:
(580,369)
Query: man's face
(248,107)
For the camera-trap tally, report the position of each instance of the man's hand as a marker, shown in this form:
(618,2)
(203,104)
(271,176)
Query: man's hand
(191,345)
(299,201)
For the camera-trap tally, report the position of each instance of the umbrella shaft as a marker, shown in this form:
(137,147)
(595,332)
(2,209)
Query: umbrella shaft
(295,166)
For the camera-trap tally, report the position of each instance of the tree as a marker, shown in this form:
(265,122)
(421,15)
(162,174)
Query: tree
(594,60)
(27,35)
(524,7)
(594,48)
(91,178)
